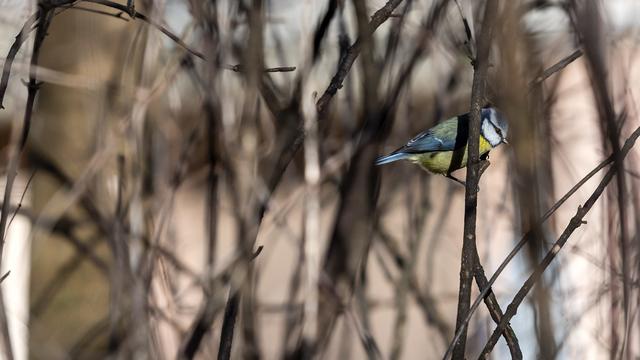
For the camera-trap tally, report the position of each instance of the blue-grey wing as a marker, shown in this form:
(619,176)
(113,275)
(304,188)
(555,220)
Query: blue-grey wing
(448,135)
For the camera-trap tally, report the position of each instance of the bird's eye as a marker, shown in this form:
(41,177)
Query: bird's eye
(497,129)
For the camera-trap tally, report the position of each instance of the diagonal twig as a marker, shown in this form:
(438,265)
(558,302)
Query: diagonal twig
(556,67)
(323,27)
(526,236)
(137,15)
(13,51)
(346,62)
(494,310)
(17,209)
(574,223)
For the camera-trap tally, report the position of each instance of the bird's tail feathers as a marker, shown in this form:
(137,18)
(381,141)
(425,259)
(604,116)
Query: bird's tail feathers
(390,158)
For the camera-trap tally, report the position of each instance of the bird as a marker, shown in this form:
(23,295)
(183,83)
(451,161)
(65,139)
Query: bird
(442,149)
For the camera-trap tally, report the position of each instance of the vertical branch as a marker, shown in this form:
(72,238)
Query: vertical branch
(312,224)
(120,277)
(532,178)
(16,147)
(469,251)
(349,244)
(254,58)
(212,110)
(213,133)
(406,269)
(214,152)
(206,316)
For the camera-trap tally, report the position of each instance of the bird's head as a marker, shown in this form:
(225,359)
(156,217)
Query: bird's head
(494,126)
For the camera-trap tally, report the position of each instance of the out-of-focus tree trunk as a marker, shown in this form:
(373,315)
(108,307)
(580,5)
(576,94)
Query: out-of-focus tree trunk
(534,181)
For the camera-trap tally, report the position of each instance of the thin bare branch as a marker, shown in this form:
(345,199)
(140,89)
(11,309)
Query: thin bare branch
(494,310)
(561,64)
(137,15)
(16,147)
(24,192)
(574,223)
(525,238)
(349,58)
(6,275)
(240,68)
(469,251)
(13,51)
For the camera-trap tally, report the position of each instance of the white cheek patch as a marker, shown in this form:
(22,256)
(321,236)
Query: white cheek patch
(489,132)
(493,117)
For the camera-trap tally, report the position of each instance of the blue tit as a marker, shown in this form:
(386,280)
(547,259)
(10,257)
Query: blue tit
(443,148)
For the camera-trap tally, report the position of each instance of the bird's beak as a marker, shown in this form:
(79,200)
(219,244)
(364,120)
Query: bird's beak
(505,141)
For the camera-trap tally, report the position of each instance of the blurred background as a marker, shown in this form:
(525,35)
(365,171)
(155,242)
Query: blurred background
(195,179)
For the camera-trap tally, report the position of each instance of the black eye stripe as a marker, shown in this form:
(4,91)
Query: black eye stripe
(496,128)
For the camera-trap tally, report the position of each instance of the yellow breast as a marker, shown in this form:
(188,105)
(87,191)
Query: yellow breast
(443,162)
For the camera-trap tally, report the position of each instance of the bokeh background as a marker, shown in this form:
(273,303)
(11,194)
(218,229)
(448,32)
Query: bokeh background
(174,194)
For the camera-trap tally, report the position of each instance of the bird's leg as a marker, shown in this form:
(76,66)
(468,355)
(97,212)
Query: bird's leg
(449,176)
(484,165)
